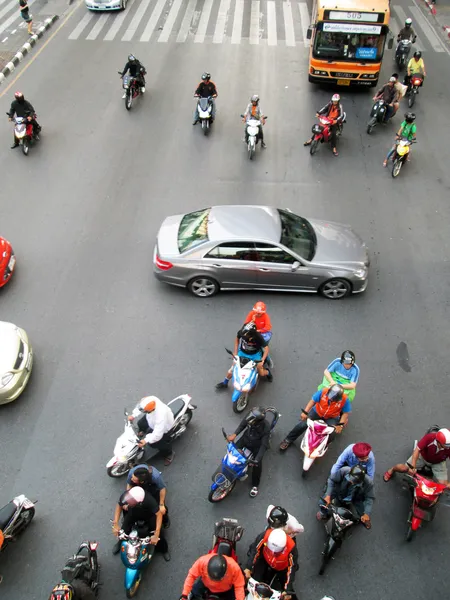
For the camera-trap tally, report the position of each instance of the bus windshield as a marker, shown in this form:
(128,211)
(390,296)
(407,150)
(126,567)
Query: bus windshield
(337,41)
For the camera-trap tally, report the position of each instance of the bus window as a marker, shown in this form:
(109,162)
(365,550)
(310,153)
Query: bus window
(345,46)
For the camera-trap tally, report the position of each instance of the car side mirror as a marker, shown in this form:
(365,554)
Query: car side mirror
(309,33)
(390,43)
(295,265)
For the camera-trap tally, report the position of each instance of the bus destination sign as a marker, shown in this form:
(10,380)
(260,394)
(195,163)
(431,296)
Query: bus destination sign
(336,15)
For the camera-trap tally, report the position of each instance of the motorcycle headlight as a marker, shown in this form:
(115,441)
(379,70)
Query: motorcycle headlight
(123,459)
(427,490)
(237,386)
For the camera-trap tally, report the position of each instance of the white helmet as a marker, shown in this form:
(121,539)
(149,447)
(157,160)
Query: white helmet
(335,98)
(277,540)
(443,437)
(327,598)
(408,22)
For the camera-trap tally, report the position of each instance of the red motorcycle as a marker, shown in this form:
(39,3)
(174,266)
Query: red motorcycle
(227,532)
(414,85)
(426,493)
(322,132)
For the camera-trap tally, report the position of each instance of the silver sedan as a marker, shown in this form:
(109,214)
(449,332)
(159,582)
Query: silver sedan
(262,248)
(16,361)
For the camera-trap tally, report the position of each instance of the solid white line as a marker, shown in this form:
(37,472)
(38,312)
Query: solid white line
(118,22)
(187,20)
(8,22)
(98,27)
(400,22)
(132,27)
(427,29)
(203,24)
(4,40)
(170,21)
(153,21)
(81,25)
(2,1)
(254,23)
(306,21)
(221,22)
(9,7)
(288,24)
(13,31)
(271,23)
(237,22)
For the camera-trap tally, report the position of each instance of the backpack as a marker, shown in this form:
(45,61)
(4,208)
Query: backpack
(77,567)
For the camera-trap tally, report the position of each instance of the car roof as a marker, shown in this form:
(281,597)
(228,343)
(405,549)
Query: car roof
(244,222)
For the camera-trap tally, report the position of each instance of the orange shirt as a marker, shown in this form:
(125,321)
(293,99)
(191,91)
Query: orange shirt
(334,112)
(233,577)
(2,538)
(262,322)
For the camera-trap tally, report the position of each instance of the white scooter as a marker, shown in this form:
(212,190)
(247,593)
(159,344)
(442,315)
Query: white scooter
(257,590)
(128,454)
(315,442)
(252,129)
(204,108)
(15,517)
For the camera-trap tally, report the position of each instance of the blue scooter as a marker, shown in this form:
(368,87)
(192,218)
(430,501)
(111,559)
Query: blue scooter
(245,380)
(235,464)
(136,553)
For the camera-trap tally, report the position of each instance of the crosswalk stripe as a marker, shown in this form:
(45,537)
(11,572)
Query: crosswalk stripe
(118,22)
(288,24)
(8,22)
(203,24)
(98,27)
(427,29)
(221,22)
(170,21)
(187,20)
(271,23)
(81,25)
(304,17)
(7,8)
(128,35)
(254,22)
(400,13)
(152,22)
(3,1)
(237,23)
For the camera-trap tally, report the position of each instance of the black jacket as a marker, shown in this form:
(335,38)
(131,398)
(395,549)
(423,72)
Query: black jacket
(326,111)
(82,590)
(21,109)
(135,68)
(254,438)
(205,90)
(338,487)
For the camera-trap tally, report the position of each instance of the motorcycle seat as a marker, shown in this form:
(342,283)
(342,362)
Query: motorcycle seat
(176,407)
(224,549)
(6,514)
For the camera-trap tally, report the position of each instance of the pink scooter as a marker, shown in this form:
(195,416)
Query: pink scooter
(315,442)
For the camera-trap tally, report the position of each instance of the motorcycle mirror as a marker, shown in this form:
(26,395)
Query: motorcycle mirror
(390,43)
(125,412)
(229,352)
(224,433)
(242,116)
(309,33)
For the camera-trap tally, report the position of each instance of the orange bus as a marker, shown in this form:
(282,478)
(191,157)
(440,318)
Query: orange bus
(347,41)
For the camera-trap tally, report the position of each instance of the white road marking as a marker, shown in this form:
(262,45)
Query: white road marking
(271,23)
(152,22)
(288,24)
(81,25)
(170,21)
(254,22)
(132,27)
(187,20)
(203,24)
(118,22)
(221,22)
(237,22)
(98,27)
(306,21)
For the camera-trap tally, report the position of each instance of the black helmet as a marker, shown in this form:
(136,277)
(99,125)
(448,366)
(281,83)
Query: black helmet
(249,327)
(418,54)
(348,357)
(131,58)
(410,117)
(278,517)
(206,76)
(356,474)
(256,415)
(217,567)
(335,392)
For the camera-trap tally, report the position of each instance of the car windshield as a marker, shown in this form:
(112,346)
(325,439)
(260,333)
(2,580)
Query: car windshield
(298,235)
(348,45)
(193,229)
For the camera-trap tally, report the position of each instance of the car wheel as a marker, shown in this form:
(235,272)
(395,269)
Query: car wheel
(335,289)
(203,287)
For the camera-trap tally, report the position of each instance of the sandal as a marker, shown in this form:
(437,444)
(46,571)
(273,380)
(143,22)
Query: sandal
(307,143)
(384,163)
(168,460)
(387,476)
(254,492)
(335,153)
(284,445)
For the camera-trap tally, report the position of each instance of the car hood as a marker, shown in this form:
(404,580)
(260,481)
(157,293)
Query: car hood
(167,240)
(338,244)
(9,346)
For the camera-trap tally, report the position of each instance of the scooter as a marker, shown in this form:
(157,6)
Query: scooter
(235,464)
(132,89)
(322,132)
(128,454)
(257,590)
(15,517)
(414,85)
(136,554)
(245,380)
(23,133)
(227,532)
(84,566)
(204,108)
(253,134)
(339,521)
(402,52)
(377,115)
(315,442)
(400,155)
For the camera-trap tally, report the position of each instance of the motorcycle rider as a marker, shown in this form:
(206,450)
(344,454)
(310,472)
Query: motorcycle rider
(259,316)
(331,405)
(249,344)
(206,89)
(407,32)
(136,69)
(356,454)
(254,111)
(390,95)
(407,130)
(22,108)
(352,488)
(217,574)
(333,110)
(278,518)
(256,434)
(273,553)
(141,511)
(345,368)
(156,425)
(431,451)
(416,66)
(400,89)
(151,480)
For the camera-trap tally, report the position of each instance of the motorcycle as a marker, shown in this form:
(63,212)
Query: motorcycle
(84,566)
(315,442)
(128,454)
(338,522)
(15,517)
(235,464)
(402,52)
(204,108)
(414,85)
(245,380)
(24,134)
(253,134)
(377,115)
(227,532)
(400,155)
(136,553)
(132,89)
(257,590)
(322,132)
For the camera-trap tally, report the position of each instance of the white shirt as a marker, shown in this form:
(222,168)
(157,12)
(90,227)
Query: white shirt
(292,526)
(160,420)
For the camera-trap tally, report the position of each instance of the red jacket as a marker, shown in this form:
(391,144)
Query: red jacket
(262,322)
(233,577)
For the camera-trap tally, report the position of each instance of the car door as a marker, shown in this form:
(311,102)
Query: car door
(233,264)
(279,269)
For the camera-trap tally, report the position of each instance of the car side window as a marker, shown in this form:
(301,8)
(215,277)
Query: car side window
(234,251)
(273,254)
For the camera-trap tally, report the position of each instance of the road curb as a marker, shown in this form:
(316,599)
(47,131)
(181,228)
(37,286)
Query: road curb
(26,48)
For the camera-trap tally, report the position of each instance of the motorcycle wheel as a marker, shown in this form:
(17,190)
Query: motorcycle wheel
(304,473)
(251,151)
(205,127)
(371,125)
(133,589)
(25,147)
(396,168)
(411,99)
(409,533)
(241,404)
(313,147)
(323,564)
(117,470)
(128,100)
(220,493)
(26,518)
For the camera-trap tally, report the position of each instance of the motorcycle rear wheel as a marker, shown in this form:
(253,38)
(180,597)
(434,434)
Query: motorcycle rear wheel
(323,563)
(396,168)
(220,493)
(205,127)
(25,147)
(251,151)
(241,404)
(371,125)
(117,471)
(313,147)
(26,518)
(409,533)
(411,99)
(128,100)
(133,589)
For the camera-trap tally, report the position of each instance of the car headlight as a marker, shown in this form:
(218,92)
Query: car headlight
(361,273)
(6,378)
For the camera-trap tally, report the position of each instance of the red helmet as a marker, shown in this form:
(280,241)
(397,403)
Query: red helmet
(18,95)
(443,437)
(259,308)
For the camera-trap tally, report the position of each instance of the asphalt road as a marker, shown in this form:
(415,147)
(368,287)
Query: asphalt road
(82,212)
